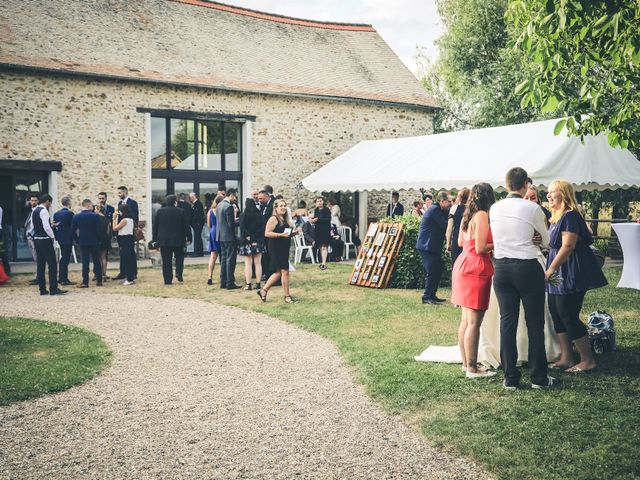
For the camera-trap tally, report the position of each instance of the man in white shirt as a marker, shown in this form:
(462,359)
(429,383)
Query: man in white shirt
(519,277)
(43,238)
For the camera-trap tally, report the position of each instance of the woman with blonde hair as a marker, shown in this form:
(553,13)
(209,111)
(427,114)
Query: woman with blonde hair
(578,271)
(279,231)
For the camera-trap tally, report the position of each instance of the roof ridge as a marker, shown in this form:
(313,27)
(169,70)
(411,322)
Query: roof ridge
(356,27)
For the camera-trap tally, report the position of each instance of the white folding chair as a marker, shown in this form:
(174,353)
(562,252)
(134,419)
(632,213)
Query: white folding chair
(347,238)
(301,247)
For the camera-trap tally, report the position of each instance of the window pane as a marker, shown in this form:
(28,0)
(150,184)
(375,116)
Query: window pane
(209,151)
(182,133)
(232,146)
(158,143)
(208,193)
(158,194)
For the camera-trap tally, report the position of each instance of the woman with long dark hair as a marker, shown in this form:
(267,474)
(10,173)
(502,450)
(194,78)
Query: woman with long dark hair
(123,224)
(471,275)
(252,244)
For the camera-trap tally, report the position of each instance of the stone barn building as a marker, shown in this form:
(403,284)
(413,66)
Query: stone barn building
(169,96)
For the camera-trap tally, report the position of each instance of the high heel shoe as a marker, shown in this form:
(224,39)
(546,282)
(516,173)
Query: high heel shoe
(262,294)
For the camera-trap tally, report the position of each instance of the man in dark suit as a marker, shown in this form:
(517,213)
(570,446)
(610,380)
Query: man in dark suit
(123,194)
(395,208)
(433,227)
(108,209)
(62,220)
(226,236)
(43,237)
(86,228)
(197,223)
(172,233)
(266,207)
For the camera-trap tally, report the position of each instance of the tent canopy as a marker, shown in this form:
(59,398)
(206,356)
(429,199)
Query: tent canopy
(464,158)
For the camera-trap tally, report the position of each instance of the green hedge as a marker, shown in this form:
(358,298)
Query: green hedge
(409,272)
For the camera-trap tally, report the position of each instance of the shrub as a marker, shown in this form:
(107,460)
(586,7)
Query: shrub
(408,272)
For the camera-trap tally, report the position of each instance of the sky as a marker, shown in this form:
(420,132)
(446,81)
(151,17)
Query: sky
(403,24)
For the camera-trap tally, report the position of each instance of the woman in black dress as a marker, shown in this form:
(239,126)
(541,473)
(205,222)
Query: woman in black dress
(321,218)
(279,231)
(252,244)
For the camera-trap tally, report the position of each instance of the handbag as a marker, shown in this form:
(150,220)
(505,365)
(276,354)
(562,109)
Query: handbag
(138,233)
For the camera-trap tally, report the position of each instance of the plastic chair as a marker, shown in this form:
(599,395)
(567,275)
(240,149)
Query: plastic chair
(347,238)
(300,248)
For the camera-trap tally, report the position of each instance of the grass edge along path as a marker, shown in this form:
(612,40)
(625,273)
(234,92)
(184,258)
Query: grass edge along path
(39,357)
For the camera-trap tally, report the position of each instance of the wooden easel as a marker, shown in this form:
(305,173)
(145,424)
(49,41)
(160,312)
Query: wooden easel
(377,258)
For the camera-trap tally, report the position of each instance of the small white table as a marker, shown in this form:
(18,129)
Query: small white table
(629,237)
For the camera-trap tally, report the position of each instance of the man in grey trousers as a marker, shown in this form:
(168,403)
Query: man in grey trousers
(226,236)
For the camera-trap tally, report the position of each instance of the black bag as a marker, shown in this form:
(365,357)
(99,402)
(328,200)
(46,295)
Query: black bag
(602,333)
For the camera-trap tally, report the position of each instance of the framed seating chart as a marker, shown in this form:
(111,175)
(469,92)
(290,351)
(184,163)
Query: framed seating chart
(376,260)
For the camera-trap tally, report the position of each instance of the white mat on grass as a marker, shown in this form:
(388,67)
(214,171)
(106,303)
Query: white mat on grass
(440,355)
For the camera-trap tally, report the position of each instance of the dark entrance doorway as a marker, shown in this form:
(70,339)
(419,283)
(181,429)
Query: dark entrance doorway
(17,180)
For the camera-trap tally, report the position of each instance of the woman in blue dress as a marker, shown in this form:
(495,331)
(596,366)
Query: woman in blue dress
(214,248)
(571,257)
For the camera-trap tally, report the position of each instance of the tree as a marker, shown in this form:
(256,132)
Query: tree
(586,56)
(475,76)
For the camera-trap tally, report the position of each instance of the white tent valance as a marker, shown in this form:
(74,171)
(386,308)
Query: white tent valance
(464,158)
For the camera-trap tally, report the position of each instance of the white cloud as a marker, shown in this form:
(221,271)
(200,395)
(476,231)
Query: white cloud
(403,24)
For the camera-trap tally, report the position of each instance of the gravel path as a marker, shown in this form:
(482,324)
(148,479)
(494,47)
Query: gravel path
(197,390)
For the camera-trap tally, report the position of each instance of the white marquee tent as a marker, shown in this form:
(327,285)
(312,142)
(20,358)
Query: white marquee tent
(464,158)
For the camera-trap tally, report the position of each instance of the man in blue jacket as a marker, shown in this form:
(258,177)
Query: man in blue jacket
(86,229)
(433,227)
(62,220)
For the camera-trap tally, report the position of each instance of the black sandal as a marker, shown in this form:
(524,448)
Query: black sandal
(290,299)
(262,297)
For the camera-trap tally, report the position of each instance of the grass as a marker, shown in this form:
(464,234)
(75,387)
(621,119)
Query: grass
(586,429)
(39,357)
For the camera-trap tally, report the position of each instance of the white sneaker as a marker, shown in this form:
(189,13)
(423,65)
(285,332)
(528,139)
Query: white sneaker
(126,282)
(551,381)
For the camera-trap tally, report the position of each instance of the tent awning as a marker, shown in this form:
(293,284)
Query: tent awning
(464,158)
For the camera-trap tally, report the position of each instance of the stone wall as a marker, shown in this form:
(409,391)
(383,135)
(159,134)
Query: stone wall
(93,128)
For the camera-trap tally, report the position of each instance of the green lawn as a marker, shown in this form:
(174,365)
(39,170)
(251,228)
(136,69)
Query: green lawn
(41,357)
(588,429)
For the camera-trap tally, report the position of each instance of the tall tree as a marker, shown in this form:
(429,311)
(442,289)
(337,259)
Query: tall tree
(475,76)
(587,63)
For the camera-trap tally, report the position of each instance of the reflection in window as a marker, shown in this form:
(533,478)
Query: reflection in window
(183,187)
(158,143)
(158,194)
(232,132)
(209,146)
(182,133)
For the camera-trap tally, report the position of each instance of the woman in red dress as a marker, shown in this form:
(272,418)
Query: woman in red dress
(472,275)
